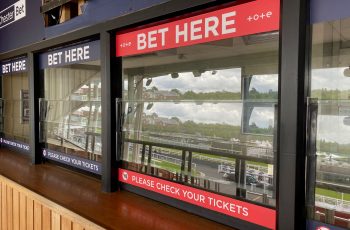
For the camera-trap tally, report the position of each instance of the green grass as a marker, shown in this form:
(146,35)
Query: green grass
(178,152)
(257,163)
(171,167)
(214,156)
(167,166)
(333,194)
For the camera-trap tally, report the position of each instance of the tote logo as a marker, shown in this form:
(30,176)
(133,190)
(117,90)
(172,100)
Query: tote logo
(12,13)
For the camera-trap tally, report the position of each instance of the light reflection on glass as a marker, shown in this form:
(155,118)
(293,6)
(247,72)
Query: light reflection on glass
(183,121)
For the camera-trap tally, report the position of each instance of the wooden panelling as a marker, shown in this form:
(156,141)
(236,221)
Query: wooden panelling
(3,206)
(21,208)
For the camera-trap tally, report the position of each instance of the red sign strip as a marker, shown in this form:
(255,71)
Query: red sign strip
(239,20)
(242,210)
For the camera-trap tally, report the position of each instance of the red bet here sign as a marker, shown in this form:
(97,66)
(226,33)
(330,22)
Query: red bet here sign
(250,18)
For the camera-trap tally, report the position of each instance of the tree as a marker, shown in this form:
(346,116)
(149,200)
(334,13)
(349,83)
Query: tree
(176,91)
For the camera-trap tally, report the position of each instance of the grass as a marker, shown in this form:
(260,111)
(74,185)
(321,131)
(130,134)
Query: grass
(213,156)
(332,194)
(232,159)
(171,167)
(167,166)
(257,163)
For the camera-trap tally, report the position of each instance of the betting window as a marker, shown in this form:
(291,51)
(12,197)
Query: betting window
(329,163)
(199,110)
(14,104)
(203,115)
(70,111)
(184,113)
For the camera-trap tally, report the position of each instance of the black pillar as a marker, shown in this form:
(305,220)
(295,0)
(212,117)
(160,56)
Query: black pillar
(36,91)
(110,86)
(291,130)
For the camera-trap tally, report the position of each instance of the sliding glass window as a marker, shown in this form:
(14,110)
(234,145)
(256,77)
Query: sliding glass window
(329,164)
(205,115)
(70,111)
(14,104)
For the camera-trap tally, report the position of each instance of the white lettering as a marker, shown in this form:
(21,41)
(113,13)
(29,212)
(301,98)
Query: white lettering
(226,23)
(211,28)
(141,41)
(245,211)
(49,59)
(7,17)
(54,59)
(143,181)
(6,68)
(86,52)
(74,55)
(152,38)
(162,32)
(90,166)
(168,188)
(77,54)
(194,196)
(179,33)
(195,29)
(80,53)
(234,208)
(67,56)
(18,66)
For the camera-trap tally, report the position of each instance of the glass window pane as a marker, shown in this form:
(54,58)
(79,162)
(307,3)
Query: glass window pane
(204,115)
(330,86)
(15,107)
(73,109)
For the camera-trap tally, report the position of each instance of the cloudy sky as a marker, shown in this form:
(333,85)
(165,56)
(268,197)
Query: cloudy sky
(228,80)
(222,113)
(330,78)
(211,81)
(331,128)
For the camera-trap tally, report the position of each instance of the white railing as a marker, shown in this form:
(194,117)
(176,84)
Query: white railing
(170,159)
(222,168)
(332,203)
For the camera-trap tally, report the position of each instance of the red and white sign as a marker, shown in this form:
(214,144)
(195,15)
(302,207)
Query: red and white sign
(250,18)
(242,210)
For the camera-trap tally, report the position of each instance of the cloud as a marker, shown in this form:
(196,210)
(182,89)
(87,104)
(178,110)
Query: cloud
(332,128)
(210,113)
(264,83)
(329,78)
(210,81)
(228,80)
(262,117)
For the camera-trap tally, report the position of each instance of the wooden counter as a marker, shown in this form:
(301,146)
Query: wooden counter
(82,195)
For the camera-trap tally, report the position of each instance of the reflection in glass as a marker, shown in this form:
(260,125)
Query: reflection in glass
(330,86)
(14,107)
(183,113)
(71,110)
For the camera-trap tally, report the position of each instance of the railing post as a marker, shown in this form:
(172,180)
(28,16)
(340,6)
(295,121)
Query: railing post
(330,216)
